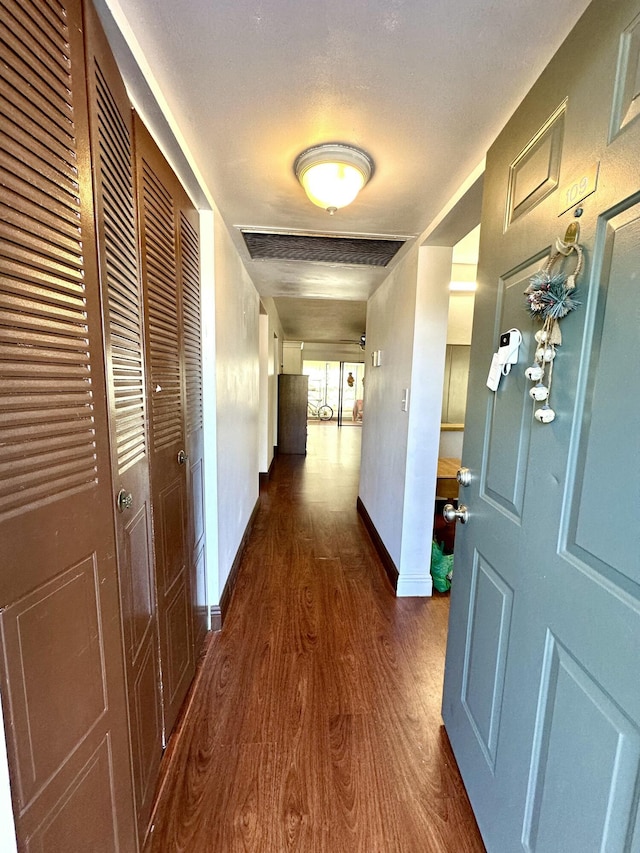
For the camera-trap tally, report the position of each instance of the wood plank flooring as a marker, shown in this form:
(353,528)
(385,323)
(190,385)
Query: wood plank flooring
(315,724)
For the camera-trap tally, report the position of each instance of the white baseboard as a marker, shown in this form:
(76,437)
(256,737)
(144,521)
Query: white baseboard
(409,587)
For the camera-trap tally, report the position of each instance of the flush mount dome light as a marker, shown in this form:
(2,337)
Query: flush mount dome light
(333,175)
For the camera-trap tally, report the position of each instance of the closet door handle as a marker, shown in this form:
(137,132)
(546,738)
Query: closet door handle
(182,457)
(124,500)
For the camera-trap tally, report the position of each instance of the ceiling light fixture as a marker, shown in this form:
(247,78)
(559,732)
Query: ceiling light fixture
(332,175)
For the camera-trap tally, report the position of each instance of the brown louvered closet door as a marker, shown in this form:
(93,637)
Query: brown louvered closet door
(189,253)
(157,187)
(61,662)
(111,122)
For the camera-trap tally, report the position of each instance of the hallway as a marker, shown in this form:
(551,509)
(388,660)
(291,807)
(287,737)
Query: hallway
(315,723)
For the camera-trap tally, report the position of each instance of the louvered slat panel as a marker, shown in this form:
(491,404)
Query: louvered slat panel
(30,128)
(55,173)
(33,226)
(25,247)
(159,233)
(38,67)
(190,256)
(125,309)
(47,429)
(36,44)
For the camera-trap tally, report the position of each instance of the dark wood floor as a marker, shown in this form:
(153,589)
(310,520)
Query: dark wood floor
(315,725)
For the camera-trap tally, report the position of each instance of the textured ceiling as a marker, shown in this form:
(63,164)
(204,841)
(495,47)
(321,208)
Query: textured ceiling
(313,320)
(424,86)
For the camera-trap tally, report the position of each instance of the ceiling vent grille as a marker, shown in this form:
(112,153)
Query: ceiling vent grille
(325,250)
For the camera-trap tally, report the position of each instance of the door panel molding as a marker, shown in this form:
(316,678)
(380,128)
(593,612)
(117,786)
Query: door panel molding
(505,460)
(607,544)
(485,657)
(171,522)
(626,98)
(179,659)
(575,716)
(197,499)
(41,676)
(138,592)
(147,720)
(66,826)
(535,172)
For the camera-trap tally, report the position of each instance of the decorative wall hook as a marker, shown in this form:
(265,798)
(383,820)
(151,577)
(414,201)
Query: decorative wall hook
(572,234)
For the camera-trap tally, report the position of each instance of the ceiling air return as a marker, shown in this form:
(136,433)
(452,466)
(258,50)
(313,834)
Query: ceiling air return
(325,250)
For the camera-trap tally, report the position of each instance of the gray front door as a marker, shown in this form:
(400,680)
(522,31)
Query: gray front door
(542,697)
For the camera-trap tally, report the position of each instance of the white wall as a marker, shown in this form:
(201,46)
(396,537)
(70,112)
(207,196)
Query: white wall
(264,459)
(208,304)
(407,322)
(390,322)
(451,444)
(237,391)
(275,369)
(271,357)
(459,327)
(332,352)
(292,357)
(460,321)
(429,349)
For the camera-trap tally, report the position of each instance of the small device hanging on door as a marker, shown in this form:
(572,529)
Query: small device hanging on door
(506,356)
(508,350)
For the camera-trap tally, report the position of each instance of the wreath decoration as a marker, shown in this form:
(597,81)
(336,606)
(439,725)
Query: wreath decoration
(550,297)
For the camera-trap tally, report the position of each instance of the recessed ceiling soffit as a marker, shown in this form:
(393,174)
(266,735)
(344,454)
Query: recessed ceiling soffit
(351,251)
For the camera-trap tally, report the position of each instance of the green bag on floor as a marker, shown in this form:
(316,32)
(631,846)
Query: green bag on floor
(441,567)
